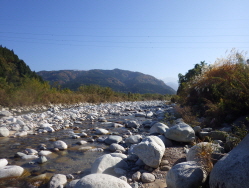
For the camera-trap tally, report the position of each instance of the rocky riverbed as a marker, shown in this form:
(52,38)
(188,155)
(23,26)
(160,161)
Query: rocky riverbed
(126,144)
(28,138)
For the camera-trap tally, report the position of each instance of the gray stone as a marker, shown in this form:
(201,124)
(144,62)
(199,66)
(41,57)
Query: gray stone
(114,147)
(197,129)
(150,150)
(113,139)
(147,177)
(186,174)
(136,176)
(30,151)
(57,180)
(158,127)
(106,163)
(119,171)
(101,181)
(11,171)
(165,168)
(180,132)
(133,139)
(233,169)
(132,124)
(4,132)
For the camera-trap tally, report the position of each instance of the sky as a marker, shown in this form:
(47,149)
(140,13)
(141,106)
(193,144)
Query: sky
(161,38)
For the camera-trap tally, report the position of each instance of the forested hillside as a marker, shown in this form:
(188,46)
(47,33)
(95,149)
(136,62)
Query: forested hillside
(119,80)
(12,69)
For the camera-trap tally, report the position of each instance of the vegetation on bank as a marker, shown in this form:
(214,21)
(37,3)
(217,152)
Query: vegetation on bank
(19,86)
(217,94)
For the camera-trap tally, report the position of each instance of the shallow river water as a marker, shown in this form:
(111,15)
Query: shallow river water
(70,161)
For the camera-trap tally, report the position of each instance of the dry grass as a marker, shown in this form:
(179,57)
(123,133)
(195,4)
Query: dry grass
(187,115)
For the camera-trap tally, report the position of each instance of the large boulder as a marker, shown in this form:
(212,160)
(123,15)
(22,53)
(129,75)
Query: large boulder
(186,174)
(4,132)
(233,169)
(150,150)
(180,132)
(106,163)
(101,181)
(11,171)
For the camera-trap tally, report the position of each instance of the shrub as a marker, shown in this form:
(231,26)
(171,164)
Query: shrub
(220,92)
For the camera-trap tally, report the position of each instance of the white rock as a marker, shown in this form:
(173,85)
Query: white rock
(49,129)
(57,181)
(21,134)
(101,131)
(11,171)
(60,144)
(29,157)
(5,113)
(44,153)
(101,181)
(4,132)
(20,122)
(3,162)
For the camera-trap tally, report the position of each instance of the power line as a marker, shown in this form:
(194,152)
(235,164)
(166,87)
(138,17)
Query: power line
(126,36)
(150,42)
(106,46)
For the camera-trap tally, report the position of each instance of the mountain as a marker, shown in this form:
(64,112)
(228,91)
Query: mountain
(12,69)
(173,85)
(117,79)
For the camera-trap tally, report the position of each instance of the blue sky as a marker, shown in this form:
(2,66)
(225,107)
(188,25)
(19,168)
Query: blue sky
(157,37)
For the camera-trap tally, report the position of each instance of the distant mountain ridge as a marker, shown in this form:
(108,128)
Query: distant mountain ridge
(117,79)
